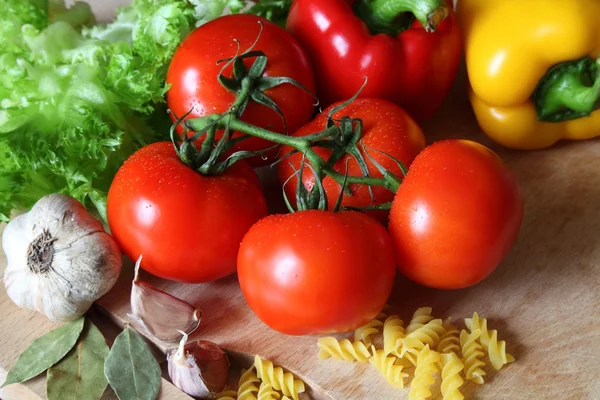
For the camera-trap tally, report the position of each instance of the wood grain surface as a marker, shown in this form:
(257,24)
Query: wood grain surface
(542,299)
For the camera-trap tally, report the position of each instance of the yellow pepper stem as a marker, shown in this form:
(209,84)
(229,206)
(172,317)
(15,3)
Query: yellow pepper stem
(394,16)
(569,90)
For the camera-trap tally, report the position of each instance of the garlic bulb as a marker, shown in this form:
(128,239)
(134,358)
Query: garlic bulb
(60,259)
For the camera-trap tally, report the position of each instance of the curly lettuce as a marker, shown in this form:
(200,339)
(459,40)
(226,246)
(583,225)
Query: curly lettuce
(75,103)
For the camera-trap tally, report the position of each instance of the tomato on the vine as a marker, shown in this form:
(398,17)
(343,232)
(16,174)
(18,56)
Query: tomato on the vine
(314,272)
(194,70)
(387,128)
(455,216)
(188,227)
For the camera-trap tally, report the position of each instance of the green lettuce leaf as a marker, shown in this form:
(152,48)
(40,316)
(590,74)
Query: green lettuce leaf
(74,105)
(207,10)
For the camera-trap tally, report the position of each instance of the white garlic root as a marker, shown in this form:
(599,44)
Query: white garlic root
(60,259)
(198,368)
(159,313)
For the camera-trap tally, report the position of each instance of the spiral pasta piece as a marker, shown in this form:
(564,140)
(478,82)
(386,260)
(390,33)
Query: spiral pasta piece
(419,318)
(427,362)
(226,395)
(451,379)
(247,389)
(408,359)
(428,334)
(471,354)
(276,377)
(387,367)
(344,350)
(393,332)
(449,341)
(267,392)
(496,350)
(365,332)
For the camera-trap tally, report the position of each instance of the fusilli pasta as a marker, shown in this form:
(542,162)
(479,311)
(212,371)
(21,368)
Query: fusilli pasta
(449,341)
(344,350)
(419,318)
(386,366)
(430,344)
(266,391)
(408,359)
(247,389)
(393,332)
(428,334)
(226,395)
(471,353)
(427,362)
(496,350)
(276,377)
(365,332)
(451,379)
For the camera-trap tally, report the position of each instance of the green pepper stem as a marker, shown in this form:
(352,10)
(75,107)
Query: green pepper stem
(382,16)
(569,90)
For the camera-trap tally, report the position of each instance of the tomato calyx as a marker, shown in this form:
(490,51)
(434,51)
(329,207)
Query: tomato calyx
(313,199)
(250,83)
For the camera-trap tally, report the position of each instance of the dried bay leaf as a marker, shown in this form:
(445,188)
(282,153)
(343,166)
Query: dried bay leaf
(80,375)
(45,351)
(131,369)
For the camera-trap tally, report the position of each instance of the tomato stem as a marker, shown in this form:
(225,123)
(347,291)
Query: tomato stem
(302,144)
(243,97)
(208,143)
(377,207)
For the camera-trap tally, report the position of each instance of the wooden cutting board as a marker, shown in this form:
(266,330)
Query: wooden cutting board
(543,298)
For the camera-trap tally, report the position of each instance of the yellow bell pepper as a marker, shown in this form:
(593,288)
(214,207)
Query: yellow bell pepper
(534,69)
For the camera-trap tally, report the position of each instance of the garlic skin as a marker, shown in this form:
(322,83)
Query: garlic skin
(162,315)
(60,259)
(198,368)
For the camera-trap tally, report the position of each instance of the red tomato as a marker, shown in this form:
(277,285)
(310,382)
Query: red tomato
(386,127)
(187,226)
(455,216)
(314,272)
(194,70)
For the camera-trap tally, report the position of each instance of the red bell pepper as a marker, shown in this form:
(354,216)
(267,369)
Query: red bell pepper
(409,50)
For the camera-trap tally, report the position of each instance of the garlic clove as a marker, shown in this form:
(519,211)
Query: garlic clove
(198,368)
(160,313)
(213,364)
